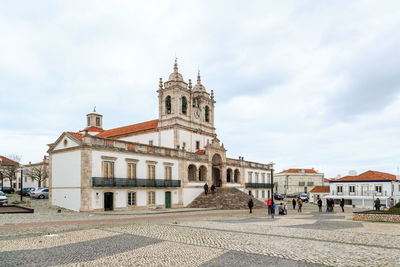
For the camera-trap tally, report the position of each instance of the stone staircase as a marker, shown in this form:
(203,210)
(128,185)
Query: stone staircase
(225,198)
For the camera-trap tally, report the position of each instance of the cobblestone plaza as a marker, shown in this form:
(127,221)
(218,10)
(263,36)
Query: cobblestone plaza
(196,238)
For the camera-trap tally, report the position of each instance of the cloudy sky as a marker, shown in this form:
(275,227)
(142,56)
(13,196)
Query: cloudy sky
(301,83)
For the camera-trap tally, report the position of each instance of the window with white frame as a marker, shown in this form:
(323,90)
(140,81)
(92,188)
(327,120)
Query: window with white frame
(378,189)
(131,170)
(256,193)
(263,178)
(108,169)
(151,142)
(168,172)
(352,189)
(263,194)
(268,178)
(339,189)
(250,177)
(151,198)
(151,172)
(256,177)
(131,198)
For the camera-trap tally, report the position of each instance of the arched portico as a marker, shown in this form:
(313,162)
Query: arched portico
(217,170)
(203,173)
(192,171)
(236,176)
(229,176)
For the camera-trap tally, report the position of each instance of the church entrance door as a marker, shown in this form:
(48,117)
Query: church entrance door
(216,170)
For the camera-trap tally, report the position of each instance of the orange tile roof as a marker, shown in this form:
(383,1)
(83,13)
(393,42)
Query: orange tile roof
(320,189)
(93,129)
(299,171)
(77,135)
(200,152)
(8,161)
(134,128)
(326,180)
(369,176)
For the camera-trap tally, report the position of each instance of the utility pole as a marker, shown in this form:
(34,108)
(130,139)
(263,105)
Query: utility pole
(272,189)
(21,185)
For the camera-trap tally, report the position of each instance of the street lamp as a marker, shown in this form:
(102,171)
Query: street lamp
(271,166)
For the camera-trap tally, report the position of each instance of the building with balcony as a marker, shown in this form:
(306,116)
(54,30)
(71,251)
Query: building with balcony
(159,163)
(361,190)
(297,181)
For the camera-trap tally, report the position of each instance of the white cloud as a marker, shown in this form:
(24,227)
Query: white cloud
(302,84)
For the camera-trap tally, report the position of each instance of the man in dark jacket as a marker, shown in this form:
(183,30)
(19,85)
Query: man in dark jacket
(205,188)
(250,204)
(342,204)
(319,202)
(212,188)
(294,203)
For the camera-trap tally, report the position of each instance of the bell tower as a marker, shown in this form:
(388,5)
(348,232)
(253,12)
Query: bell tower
(94,119)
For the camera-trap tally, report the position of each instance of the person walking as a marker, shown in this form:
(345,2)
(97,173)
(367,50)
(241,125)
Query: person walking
(332,204)
(328,204)
(294,203)
(273,209)
(250,204)
(269,206)
(205,188)
(212,189)
(342,204)
(319,202)
(377,204)
(299,204)
(285,208)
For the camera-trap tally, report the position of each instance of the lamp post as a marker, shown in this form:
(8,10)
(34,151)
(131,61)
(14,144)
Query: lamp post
(271,164)
(21,184)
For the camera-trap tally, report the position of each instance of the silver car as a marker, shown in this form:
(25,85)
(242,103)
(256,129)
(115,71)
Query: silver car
(40,193)
(3,198)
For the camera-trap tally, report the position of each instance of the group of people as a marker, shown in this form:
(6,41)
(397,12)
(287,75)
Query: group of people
(206,188)
(282,208)
(299,203)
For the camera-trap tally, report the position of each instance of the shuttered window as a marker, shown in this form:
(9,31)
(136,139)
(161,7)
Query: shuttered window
(108,169)
(131,170)
(168,173)
(151,172)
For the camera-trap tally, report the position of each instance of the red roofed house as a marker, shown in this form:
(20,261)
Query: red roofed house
(297,181)
(361,190)
(319,191)
(159,163)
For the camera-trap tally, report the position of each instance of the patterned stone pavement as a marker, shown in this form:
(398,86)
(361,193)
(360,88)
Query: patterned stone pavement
(233,239)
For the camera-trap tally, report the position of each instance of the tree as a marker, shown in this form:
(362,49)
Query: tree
(39,173)
(9,167)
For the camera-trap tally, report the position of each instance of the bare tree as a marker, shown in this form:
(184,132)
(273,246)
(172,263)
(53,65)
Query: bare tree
(8,169)
(39,173)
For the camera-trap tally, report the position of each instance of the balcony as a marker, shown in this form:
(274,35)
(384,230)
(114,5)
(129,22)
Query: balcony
(310,183)
(302,183)
(258,185)
(125,182)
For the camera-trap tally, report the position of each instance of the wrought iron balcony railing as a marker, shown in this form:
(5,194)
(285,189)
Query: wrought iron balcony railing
(125,182)
(302,183)
(310,183)
(258,185)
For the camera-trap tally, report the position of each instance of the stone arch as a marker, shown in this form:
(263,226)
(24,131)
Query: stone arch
(229,176)
(236,176)
(184,105)
(203,173)
(207,114)
(168,105)
(192,170)
(217,170)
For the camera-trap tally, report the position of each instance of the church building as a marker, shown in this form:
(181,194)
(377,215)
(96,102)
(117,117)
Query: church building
(158,163)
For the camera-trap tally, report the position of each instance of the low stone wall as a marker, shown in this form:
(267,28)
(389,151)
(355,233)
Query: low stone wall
(376,217)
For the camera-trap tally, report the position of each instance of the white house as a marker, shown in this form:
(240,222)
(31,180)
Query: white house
(158,163)
(361,190)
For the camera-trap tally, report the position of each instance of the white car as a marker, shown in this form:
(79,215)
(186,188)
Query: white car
(3,198)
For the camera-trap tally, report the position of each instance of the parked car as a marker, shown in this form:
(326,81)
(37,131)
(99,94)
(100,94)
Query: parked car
(8,190)
(278,196)
(3,198)
(25,191)
(304,197)
(39,193)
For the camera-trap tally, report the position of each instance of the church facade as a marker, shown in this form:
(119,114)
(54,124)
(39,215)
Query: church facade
(159,163)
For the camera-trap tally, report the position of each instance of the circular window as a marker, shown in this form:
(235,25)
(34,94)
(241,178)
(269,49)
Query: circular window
(65,142)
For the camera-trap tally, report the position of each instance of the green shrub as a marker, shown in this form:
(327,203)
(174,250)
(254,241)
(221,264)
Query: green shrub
(397,205)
